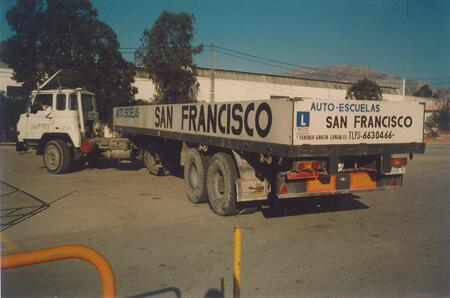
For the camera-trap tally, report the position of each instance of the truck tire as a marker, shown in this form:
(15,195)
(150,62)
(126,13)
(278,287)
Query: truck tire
(152,161)
(57,157)
(221,179)
(195,177)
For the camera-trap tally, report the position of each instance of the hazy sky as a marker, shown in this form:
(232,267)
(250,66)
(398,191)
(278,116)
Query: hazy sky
(409,38)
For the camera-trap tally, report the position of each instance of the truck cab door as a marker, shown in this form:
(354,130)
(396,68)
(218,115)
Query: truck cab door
(39,122)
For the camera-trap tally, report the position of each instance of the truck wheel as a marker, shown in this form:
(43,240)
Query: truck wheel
(57,157)
(221,179)
(195,177)
(152,161)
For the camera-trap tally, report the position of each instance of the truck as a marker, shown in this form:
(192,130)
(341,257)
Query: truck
(238,155)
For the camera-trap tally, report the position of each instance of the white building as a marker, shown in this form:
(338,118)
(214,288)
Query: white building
(232,85)
(7,83)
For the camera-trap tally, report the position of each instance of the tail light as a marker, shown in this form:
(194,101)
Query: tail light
(315,165)
(86,146)
(310,165)
(399,162)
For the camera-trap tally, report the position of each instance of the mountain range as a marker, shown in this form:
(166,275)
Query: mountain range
(353,73)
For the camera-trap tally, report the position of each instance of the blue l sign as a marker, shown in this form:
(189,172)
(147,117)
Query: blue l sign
(302,119)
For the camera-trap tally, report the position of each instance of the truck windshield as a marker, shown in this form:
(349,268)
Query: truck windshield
(87,101)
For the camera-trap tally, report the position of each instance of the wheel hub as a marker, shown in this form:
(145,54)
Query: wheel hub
(193,176)
(52,157)
(219,184)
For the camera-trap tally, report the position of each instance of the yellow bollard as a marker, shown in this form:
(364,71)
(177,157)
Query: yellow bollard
(237,263)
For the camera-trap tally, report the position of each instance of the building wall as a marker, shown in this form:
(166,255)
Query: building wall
(240,90)
(6,79)
(241,86)
(146,89)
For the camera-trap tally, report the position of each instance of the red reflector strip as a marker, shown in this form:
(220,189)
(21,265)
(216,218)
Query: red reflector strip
(284,189)
(301,175)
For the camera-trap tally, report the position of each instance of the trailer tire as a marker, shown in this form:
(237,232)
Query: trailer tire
(57,157)
(152,161)
(221,179)
(195,177)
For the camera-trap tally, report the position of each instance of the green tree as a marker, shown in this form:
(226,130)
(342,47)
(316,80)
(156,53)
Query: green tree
(166,54)
(440,117)
(54,34)
(364,89)
(424,91)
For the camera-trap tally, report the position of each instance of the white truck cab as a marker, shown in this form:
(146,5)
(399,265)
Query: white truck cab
(62,124)
(71,111)
(57,118)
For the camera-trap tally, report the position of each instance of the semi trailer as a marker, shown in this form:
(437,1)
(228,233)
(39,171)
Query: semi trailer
(238,155)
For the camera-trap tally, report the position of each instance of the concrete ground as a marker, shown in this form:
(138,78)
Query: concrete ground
(391,243)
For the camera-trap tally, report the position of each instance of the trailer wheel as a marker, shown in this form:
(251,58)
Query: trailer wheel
(221,178)
(152,161)
(195,177)
(57,157)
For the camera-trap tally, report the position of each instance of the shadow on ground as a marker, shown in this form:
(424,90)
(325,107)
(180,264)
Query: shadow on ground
(116,164)
(211,293)
(311,205)
(18,205)
(173,290)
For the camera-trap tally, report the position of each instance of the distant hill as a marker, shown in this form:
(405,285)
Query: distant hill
(353,73)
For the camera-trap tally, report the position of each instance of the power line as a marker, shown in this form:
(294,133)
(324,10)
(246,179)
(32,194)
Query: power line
(250,59)
(443,83)
(137,48)
(254,58)
(434,79)
(277,63)
(265,59)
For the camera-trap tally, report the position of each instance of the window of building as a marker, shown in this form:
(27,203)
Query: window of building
(16,92)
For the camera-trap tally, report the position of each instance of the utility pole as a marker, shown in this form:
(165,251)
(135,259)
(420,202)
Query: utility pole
(404,87)
(212,72)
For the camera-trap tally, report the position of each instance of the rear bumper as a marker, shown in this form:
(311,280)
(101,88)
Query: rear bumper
(336,184)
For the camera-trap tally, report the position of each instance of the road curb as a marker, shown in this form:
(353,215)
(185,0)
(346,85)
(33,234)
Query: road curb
(7,144)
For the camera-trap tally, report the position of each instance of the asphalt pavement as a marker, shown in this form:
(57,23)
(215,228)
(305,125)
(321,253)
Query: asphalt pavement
(387,243)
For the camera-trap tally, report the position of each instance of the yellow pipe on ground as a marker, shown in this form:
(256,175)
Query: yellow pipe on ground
(65,252)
